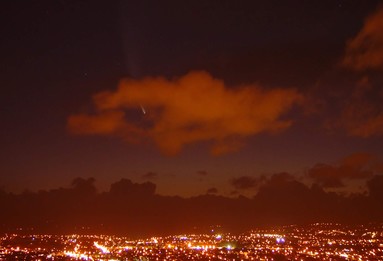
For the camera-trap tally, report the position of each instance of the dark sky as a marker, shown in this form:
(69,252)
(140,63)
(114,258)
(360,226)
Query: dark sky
(216,94)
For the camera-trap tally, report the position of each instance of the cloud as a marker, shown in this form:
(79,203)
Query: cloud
(362,113)
(365,50)
(281,186)
(103,123)
(202,173)
(326,175)
(126,187)
(354,167)
(212,191)
(150,175)
(278,178)
(193,108)
(246,182)
(357,161)
(127,206)
(375,187)
(379,167)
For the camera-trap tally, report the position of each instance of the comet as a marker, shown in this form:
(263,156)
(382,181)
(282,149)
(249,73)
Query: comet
(143,109)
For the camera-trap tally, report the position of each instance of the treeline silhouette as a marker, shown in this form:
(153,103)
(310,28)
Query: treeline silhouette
(133,209)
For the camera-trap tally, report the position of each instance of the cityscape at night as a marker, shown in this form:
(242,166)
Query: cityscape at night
(191,130)
(320,241)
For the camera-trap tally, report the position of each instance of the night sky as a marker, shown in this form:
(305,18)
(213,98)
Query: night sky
(194,96)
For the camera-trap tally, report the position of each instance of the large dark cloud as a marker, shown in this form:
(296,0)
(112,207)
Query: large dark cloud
(134,209)
(362,113)
(350,97)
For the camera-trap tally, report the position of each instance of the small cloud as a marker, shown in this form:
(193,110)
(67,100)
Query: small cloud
(278,178)
(326,175)
(357,166)
(135,190)
(246,182)
(212,191)
(375,187)
(357,161)
(193,108)
(378,166)
(202,173)
(365,50)
(150,175)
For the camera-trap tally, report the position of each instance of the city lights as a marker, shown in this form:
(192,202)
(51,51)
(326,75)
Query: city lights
(320,241)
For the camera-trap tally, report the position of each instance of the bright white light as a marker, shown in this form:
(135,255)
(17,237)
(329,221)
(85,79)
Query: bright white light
(103,249)
(71,254)
(143,109)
